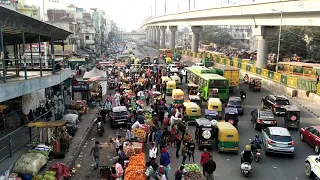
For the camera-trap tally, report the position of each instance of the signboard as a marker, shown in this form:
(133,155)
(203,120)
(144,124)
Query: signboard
(35,47)
(80,86)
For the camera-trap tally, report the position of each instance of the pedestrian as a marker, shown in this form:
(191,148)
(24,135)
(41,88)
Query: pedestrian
(108,107)
(117,97)
(209,167)
(184,153)
(179,173)
(147,98)
(153,151)
(129,135)
(178,145)
(191,147)
(165,161)
(151,136)
(119,169)
(118,144)
(159,136)
(96,153)
(122,155)
(204,159)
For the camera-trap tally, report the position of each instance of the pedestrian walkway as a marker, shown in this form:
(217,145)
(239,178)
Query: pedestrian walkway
(76,145)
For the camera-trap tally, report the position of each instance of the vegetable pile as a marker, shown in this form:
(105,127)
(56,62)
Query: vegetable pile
(139,133)
(193,172)
(48,175)
(136,168)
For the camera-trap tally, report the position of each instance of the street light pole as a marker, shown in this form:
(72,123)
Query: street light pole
(279,42)
(155,7)
(189,5)
(194,4)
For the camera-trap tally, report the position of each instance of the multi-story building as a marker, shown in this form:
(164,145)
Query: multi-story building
(31,11)
(99,23)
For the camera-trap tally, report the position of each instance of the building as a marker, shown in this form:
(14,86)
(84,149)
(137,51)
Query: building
(100,24)
(28,10)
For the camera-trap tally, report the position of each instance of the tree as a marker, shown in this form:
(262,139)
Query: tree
(213,34)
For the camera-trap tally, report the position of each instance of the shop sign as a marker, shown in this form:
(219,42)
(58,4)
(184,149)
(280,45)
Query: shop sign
(80,86)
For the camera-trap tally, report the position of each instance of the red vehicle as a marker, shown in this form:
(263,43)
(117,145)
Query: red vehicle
(179,66)
(312,136)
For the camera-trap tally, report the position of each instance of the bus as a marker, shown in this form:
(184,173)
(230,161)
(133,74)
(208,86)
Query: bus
(208,80)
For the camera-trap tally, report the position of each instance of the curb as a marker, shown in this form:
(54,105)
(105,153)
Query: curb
(79,147)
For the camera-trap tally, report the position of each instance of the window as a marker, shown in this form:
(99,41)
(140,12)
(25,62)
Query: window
(87,38)
(282,102)
(266,115)
(218,83)
(281,138)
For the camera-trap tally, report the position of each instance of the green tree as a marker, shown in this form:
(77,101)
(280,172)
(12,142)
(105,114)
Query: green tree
(213,34)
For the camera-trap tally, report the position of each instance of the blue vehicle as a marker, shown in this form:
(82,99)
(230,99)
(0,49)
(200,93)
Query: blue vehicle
(212,115)
(231,116)
(236,102)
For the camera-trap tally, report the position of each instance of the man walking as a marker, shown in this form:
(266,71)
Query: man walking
(205,156)
(184,153)
(209,168)
(96,154)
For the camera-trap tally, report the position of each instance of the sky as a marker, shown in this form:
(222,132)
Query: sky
(129,14)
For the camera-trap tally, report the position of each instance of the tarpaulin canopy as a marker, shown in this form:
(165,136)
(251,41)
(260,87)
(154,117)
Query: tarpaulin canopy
(94,73)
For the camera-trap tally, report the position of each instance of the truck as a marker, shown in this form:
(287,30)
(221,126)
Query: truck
(207,62)
(231,73)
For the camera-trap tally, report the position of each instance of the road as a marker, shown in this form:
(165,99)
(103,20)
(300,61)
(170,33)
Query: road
(276,167)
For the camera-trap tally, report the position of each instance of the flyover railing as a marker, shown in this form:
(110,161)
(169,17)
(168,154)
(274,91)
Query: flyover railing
(304,82)
(12,68)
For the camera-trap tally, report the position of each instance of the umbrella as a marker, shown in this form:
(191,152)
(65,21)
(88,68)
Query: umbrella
(93,79)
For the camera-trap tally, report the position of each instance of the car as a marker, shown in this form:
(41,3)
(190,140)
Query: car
(236,102)
(276,103)
(120,116)
(312,166)
(312,136)
(172,68)
(277,140)
(262,118)
(198,65)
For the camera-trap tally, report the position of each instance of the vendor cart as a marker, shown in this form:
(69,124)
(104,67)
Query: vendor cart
(80,105)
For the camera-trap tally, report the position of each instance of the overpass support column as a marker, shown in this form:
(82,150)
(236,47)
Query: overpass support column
(195,38)
(158,36)
(263,34)
(163,37)
(147,34)
(173,30)
(154,35)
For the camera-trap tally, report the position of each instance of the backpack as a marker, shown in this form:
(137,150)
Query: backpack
(211,166)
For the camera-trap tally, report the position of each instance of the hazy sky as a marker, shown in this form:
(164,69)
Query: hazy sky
(129,14)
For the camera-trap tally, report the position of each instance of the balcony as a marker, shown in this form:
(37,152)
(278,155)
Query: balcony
(89,41)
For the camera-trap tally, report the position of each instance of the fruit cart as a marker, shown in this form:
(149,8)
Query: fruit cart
(136,168)
(193,171)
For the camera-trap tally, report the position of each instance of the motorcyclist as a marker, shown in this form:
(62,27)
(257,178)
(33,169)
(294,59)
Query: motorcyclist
(246,78)
(246,155)
(243,93)
(256,143)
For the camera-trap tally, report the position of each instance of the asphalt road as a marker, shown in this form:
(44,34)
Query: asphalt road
(276,167)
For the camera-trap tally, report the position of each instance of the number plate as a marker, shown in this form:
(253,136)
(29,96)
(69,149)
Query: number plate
(121,122)
(267,122)
(281,145)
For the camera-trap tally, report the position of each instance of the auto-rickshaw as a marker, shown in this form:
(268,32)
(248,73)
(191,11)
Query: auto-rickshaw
(171,85)
(215,104)
(214,93)
(231,116)
(204,133)
(292,117)
(212,115)
(165,79)
(255,84)
(176,56)
(227,138)
(165,53)
(177,96)
(137,61)
(177,80)
(192,110)
(168,60)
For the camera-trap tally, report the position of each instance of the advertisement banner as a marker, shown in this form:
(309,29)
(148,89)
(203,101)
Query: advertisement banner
(271,75)
(258,71)
(264,73)
(228,62)
(318,89)
(239,65)
(244,66)
(253,69)
(231,63)
(277,77)
(309,72)
(292,82)
(235,63)
(283,79)
(307,85)
(248,68)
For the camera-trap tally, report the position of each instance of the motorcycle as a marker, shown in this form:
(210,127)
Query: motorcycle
(100,127)
(246,80)
(245,168)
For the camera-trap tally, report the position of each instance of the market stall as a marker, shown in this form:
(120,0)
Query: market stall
(192,172)
(136,168)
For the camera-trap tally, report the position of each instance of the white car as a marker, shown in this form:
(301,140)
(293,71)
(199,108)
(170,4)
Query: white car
(198,65)
(172,68)
(312,166)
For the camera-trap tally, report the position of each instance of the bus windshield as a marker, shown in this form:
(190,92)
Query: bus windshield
(218,84)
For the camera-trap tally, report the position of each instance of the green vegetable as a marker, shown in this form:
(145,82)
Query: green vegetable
(192,168)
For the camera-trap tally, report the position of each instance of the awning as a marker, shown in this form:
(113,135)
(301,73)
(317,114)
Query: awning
(77,60)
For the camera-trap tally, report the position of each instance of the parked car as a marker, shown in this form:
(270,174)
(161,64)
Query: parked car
(120,116)
(262,118)
(276,103)
(277,140)
(312,166)
(236,102)
(312,136)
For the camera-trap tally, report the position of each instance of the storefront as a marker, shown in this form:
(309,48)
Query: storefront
(80,90)
(60,97)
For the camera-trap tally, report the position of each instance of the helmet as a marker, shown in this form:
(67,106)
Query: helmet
(248,147)
(257,135)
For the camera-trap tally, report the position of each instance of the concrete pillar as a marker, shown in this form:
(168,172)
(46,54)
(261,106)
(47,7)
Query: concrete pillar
(263,34)
(154,34)
(195,38)
(173,30)
(147,34)
(158,36)
(163,36)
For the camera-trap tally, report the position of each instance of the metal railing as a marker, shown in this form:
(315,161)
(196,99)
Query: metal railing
(13,140)
(13,67)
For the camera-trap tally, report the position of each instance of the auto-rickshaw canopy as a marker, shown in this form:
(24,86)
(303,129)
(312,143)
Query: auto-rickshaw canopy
(168,60)
(227,132)
(177,94)
(165,79)
(192,109)
(215,104)
(176,79)
(171,85)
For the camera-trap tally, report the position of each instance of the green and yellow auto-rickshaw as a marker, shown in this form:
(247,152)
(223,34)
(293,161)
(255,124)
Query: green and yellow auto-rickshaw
(177,96)
(177,80)
(227,137)
(168,60)
(137,61)
(215,104)
(165,79)
(171,85)
(192,110)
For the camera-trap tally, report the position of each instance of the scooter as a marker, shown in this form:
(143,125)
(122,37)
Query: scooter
(243,96)
(100,127)
(245,168)
(257,155)
(246,80)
